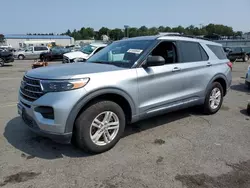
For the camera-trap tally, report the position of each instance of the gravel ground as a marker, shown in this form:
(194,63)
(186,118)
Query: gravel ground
(181,149)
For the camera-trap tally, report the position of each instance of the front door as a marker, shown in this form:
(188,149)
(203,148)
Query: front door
(160,87)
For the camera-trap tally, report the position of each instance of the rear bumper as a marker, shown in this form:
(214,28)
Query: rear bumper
(9,60)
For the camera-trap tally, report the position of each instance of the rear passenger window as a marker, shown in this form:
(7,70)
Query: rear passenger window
(36,48)
(44,48)
(192,52)
(203,54)
(218,51)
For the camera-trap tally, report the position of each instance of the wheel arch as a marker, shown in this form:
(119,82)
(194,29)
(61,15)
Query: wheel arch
(222,80)
(115,95)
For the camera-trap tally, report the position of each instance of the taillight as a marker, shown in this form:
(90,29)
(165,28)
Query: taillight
(230,64)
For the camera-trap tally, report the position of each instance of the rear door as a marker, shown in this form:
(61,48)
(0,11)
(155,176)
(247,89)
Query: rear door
(195,67)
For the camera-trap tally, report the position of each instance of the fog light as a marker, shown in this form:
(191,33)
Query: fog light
(46,111)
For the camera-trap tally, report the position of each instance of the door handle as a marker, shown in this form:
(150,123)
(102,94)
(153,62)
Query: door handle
(176,69)
(209,64)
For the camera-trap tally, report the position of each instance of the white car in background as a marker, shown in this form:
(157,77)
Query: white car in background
(84,53)
(247,82)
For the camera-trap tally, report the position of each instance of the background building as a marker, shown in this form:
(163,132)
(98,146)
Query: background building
(19,41)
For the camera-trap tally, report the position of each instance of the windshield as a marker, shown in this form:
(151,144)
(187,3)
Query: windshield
(121,53)
(88,49)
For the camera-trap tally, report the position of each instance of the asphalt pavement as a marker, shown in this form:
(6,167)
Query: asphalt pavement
(180,149)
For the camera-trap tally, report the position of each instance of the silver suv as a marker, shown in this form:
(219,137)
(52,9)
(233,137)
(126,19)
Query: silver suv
(90,103)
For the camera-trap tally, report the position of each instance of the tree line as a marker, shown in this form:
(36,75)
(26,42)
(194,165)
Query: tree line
(116,34)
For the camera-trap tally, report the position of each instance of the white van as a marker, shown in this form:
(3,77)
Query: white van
(31,52)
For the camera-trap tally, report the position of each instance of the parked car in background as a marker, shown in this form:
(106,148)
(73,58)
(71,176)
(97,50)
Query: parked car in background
(5,57)
(83,54)
(227,50)
(55,53)
(125,82)
(239,53)
(31,52)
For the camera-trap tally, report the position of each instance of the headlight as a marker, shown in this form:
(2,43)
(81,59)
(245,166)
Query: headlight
(63,85)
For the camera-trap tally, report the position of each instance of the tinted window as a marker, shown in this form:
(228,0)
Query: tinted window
(44,48)
(36,48)
(203,54)
(246,49)
(167,50)
(191,52)
(40,48)
(218,51)
(237,50)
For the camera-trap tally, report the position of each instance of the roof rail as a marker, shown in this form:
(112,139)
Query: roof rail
(183,35)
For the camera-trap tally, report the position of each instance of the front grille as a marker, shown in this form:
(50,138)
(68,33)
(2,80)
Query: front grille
(66,59)
(30,89)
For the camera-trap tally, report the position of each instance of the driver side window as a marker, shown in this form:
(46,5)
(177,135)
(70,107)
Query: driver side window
(167,50)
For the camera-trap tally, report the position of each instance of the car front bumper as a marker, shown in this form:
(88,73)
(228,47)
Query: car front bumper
(61,102)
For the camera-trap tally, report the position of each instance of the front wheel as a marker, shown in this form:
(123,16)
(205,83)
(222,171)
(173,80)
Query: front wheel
(21,57)
(214,99)
(99,127)
(1,62)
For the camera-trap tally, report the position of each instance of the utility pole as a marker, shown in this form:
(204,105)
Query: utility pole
(126,30)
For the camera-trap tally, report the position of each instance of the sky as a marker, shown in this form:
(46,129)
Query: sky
(57,16)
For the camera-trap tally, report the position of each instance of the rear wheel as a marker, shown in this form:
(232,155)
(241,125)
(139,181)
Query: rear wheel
(214,98)
(21,57)
(99,127)
(246,58)
(1,62)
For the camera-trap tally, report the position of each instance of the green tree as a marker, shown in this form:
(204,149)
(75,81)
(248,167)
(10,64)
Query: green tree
(133,32)
(116,34)
(2,39)
(103,31)
(142,31)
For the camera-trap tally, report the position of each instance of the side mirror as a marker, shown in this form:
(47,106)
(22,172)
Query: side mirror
(154,61)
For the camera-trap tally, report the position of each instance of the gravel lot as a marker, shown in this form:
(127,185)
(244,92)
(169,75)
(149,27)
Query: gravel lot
(181,149)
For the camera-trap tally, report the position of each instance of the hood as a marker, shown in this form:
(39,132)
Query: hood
(78,54)
(68,71)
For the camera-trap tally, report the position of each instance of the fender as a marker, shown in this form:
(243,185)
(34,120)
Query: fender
(85,99)
(219,75)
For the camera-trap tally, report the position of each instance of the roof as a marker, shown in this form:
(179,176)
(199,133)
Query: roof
(16,36)
(98,44)
(188,39)
(173,37)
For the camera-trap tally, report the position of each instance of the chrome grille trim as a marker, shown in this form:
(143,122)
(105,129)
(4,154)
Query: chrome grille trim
(30,89)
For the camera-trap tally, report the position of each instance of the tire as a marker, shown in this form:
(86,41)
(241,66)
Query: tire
(1,62)
(208,107)
(42,58)
(248,109)
(84,130)
(247,85)
(21,57)
(246,58)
